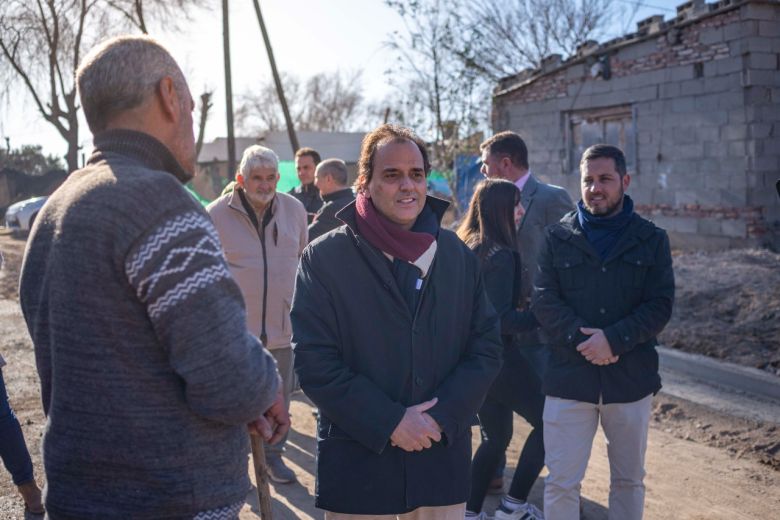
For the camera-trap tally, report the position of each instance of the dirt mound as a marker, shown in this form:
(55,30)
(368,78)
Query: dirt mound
(727,306)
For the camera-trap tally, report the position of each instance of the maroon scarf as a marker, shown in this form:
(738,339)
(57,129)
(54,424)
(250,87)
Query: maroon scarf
(410,246)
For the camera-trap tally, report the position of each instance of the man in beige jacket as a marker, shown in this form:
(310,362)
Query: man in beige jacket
(263,233)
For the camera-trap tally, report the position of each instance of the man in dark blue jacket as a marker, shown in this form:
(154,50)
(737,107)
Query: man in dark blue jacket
(604,291)
(395,342)
(306,161)
(331,179)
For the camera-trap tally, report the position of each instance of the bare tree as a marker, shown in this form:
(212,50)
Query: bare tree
(259,110)
(41,44)
(328,102)
(203,116)
(332,101)
(502,37)
(170,13)
(386,110)
(452,52)
(441,97)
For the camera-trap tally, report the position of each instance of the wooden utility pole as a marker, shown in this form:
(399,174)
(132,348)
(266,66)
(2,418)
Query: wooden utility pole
(231,138)
(277,81)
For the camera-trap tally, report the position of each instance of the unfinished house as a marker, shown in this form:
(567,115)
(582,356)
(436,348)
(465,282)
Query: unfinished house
(693,101)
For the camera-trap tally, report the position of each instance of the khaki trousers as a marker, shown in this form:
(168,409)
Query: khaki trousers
(454,512)
(569,427)
(284,364)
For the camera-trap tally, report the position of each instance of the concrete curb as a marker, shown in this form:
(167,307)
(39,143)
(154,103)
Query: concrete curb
(722,373)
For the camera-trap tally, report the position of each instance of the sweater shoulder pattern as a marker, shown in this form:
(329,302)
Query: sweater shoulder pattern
(177,259)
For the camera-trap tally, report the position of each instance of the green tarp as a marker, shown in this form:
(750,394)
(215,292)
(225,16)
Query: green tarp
(288,179)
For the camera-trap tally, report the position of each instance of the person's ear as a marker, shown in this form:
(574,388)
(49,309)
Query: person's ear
(169,98)
(240,180)
(626,181)
(506,162)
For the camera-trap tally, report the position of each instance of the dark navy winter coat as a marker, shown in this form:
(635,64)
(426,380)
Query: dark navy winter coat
(629,295)
(362,357)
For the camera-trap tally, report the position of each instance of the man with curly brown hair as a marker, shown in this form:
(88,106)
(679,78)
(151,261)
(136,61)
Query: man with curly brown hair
(395,342)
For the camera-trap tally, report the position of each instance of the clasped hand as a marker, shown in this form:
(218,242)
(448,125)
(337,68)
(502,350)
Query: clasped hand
(596,348)
(274,423)
(417,430)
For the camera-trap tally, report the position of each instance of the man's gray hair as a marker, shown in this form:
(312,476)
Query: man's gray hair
(119,73)
(336,168)
(257,156)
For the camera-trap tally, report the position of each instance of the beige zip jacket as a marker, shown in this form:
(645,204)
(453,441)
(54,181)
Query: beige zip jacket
(285,237)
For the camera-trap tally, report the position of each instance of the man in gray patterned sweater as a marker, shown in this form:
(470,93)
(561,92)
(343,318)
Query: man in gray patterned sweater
(148,374)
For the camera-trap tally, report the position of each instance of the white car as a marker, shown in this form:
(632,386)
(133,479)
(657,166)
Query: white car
(19,217)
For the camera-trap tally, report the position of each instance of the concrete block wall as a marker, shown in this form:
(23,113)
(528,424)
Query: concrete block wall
(761,83)
(706,100)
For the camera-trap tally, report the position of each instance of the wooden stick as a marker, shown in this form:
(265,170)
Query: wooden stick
(261,477)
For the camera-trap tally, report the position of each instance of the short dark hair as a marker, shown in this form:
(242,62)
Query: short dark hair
(311,152)
(336,168)
(605,151)
(384,134)
(509,144)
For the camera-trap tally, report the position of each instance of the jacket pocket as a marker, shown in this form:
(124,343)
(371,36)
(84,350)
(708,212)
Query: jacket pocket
(569,268)
(636,263)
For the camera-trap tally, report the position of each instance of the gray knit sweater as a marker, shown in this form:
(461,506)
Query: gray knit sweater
(148,375)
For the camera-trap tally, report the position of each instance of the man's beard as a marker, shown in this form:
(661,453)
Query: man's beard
(260,199)
(609,210)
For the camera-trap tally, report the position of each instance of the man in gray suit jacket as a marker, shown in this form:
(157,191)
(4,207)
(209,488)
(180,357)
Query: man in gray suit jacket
(505,156)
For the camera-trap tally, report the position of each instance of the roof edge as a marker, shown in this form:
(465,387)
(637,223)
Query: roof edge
(625,41)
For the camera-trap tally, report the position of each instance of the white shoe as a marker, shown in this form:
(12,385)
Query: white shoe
(526,511)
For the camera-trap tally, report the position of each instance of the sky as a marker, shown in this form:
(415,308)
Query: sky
(308,37)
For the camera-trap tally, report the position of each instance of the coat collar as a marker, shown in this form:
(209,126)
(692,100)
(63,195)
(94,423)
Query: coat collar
(638,230)
(527,198)
(140,147)
(375,258)
(529,190)
(346,192)
(307,189)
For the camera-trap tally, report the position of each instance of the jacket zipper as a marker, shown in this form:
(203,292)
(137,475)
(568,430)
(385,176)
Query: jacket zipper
(422,294)
(261,235)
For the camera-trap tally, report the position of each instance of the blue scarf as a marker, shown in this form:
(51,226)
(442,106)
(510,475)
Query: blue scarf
(604,232)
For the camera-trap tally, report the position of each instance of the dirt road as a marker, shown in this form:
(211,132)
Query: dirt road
(700,464)
(685,480)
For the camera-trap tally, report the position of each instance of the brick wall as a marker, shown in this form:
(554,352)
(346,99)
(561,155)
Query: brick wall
(705,95)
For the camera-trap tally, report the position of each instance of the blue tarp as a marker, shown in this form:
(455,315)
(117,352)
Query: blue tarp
(467,175)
